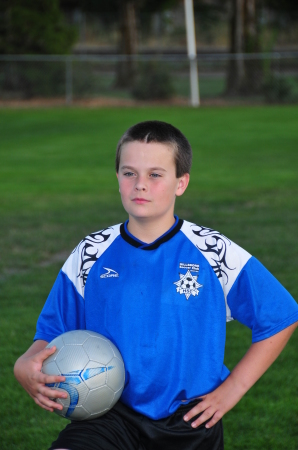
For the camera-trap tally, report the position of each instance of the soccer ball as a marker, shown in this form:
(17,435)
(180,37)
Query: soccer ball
(94,373)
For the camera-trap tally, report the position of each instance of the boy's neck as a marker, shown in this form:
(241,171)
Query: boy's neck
(147,231)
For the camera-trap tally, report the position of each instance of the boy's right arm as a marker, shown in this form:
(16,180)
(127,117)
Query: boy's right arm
(27,371)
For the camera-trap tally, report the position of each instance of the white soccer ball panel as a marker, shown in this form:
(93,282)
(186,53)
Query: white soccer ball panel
(71,358)
(65,403)
(116,351)
(50,368)
(116,375)
(99,400)
(99,349)
(95,374)
(58,342)
(101,413)
(80,413)
(76,337)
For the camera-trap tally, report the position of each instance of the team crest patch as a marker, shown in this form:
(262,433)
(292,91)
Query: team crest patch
(188,285)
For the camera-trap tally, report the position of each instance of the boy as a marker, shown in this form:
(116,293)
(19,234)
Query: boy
(161,289)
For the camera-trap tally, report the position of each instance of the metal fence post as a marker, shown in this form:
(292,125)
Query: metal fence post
(192,52)
(68,80)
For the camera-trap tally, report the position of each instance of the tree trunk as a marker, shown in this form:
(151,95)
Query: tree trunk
(253,68)
(236,66)
(126,69)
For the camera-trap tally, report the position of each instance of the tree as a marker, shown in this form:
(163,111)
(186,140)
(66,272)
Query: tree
(244,75)
(130,11)
(126,13)
(30,26)
(34,27)
(128,43)
(252,81)
(236,68)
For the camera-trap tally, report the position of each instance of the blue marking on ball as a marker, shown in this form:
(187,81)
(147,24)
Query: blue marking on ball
(74,378)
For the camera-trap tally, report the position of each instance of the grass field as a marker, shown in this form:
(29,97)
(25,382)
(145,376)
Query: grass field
(57,184)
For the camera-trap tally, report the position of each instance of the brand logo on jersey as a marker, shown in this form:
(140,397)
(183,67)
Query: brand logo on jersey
(109,274)
(188,285)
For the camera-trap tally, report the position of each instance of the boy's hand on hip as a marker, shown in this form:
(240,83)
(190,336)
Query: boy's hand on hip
(215,405)
(255,362)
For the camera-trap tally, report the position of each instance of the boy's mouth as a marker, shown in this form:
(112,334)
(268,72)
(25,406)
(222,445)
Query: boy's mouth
(140,200)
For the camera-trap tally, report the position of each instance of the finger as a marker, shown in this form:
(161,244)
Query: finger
(206,415)
(52,393)
(42,405)
(43,378)
(199,408)
(45,353)
(47,403)
(41,356)
(216,417)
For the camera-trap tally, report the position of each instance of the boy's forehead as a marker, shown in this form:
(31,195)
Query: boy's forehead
(142,151)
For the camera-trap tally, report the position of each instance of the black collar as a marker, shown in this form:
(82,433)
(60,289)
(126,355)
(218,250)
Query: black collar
(153,245)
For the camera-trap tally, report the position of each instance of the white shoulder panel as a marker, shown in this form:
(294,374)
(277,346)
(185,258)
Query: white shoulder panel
(81,260)
(225,257)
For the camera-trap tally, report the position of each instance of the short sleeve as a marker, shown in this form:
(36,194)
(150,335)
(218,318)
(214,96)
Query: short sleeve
(64,309)
(259,301)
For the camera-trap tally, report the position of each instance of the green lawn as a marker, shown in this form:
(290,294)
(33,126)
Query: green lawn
(57,184)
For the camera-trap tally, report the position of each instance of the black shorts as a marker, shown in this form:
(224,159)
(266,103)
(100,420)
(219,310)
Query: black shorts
(124,429)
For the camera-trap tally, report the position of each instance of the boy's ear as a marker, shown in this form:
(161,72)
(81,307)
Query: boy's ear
(182,184)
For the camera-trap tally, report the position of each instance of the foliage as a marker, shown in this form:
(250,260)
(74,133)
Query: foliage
(279,89)
(35,27)
(47,79)
(27,79)
(287,9)
(209,13)
(153,83)
(110,6)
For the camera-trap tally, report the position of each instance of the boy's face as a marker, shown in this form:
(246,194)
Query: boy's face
(147,181)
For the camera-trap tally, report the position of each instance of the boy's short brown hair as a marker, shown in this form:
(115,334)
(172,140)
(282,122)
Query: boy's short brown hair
(159,132)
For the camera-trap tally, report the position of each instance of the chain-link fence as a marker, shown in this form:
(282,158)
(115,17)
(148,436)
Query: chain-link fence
(271,77)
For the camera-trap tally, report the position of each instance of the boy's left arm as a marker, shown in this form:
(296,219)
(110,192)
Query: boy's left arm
(256,361)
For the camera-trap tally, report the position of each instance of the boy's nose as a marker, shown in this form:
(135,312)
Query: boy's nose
(140,188)
(140,185)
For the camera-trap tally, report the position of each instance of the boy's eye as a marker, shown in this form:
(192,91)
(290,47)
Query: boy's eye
(128,174)
(155,175)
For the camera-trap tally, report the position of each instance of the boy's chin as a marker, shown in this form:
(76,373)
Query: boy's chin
(140,216)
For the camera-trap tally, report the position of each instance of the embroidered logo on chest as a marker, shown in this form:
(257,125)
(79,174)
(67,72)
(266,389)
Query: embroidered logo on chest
(109,274)
(188,284)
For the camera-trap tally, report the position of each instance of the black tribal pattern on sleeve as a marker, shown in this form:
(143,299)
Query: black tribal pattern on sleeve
(218,248)
(89,252)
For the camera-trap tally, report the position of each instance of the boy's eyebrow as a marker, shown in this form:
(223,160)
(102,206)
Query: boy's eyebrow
(150,168)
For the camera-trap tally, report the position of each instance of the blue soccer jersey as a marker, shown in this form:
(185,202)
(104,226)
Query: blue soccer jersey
(165,306)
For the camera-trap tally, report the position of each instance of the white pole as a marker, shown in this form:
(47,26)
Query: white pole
(192,52)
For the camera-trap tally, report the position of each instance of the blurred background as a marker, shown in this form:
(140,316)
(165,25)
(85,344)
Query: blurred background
(121,52)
